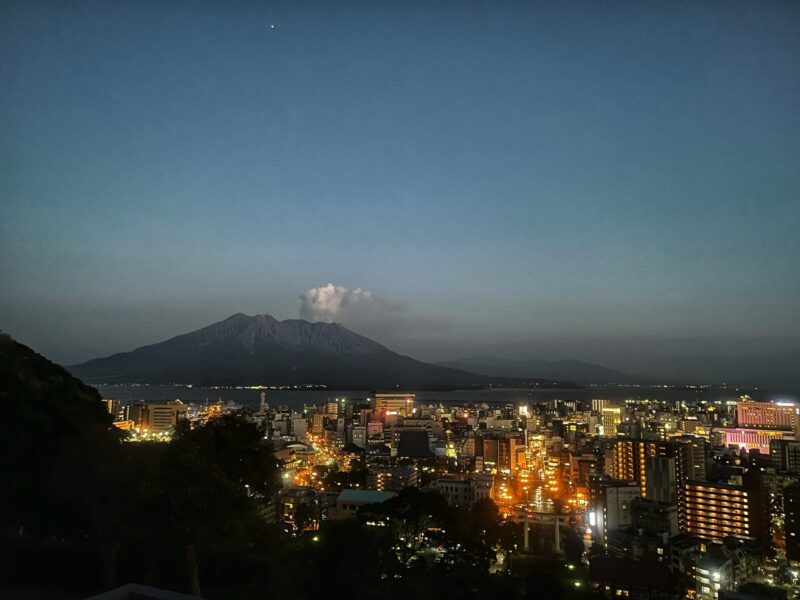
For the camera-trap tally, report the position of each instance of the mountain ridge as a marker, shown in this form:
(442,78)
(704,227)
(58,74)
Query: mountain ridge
(259,349)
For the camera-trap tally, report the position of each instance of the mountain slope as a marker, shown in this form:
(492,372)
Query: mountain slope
(252,350)
(561,370)
(52,430)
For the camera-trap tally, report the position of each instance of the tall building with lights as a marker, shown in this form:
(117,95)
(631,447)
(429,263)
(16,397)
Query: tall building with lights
(402,404)
(691,454)
(611,417)
(630,458)
(163,416)
(784,416)
(718,510)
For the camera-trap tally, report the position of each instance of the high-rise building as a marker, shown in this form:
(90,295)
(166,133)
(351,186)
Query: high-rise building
(719,510)
(660,479)
(611,417)
(785,455)
(614,508)
(691,457)
(504,454)
(580,465)
(629,459)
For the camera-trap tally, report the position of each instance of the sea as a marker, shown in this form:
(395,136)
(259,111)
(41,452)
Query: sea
(296,399)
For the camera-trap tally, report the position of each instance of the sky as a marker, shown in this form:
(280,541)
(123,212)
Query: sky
(615,182)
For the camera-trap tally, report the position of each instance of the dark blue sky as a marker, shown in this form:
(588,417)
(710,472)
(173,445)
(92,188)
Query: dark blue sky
(524,179)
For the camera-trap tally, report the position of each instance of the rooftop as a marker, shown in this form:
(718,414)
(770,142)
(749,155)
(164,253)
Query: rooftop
(365,496)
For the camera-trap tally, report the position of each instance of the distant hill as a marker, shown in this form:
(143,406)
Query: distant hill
(30,379)
(53,429)
(260,350)
(561,370)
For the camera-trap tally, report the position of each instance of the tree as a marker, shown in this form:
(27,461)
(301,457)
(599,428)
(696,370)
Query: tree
(411,514)
(304,515)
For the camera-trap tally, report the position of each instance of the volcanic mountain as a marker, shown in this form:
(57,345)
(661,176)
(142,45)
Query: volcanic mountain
(260,350)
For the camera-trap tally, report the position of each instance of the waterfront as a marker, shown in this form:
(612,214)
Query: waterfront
(296,399)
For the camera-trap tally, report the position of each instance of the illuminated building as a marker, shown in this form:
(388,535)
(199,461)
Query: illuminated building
(161,417)
(753,439)
(691,457)
(629,460)
(611,418)
(783,416)
(391,479)
(136,412)
(580,465)
(712,574)
(401,404)
(718,510)
(503,454)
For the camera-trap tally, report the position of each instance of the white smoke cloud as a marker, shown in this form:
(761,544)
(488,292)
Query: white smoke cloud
(386,321)
(335,303)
